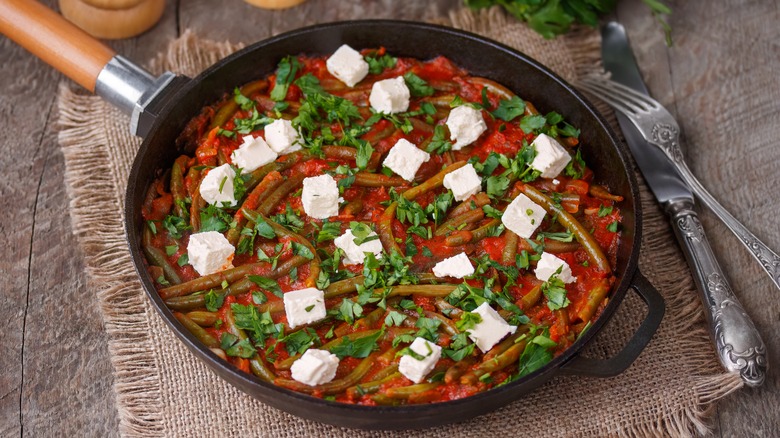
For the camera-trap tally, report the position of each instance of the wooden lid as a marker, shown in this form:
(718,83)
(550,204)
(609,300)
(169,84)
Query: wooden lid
(113,23)
(275,4)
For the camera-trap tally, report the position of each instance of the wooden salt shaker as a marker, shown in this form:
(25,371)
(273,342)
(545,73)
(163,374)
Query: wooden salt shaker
(113,19)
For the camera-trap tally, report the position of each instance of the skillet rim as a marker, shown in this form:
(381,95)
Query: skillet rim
(250,383)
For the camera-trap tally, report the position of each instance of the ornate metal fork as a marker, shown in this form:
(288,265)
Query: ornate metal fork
(659,128)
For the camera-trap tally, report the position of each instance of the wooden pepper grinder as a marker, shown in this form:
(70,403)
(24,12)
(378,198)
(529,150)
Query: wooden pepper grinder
(113,19)
(275,4)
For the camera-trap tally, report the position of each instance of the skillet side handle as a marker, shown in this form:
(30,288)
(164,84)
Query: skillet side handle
(55,40)
(620,362)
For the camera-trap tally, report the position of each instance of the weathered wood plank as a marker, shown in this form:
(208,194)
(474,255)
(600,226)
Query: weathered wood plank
(720,79)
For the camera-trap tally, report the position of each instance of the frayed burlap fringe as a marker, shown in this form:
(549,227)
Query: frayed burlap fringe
(162,390)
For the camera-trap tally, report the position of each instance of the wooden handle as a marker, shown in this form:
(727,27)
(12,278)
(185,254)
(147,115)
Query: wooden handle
(56,41)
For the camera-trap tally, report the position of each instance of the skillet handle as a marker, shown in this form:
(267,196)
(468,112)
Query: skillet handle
(621,361)
(55,40)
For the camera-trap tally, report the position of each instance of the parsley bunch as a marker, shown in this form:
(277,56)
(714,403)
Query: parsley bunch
(554,17)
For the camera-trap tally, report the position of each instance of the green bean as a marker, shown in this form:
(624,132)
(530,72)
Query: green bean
(350,285)
(501,361)
(446,324)
(340,152)
(375,137)
(384,228)
(460,368)
(432,182)
(375,385)
(230,106)
(177,187)
(203,318)
(552,246)
(454,223)
(442,101)
(256,364)
(463,237)
(197,300)
(198,203)
(601,192)
(595,297)
(431,290)
(272,307)
(258,194)
(335,386)
(284,189)
(314,266)
(283,163)
(354,207)
(158,258)
(209,281)
(287,363)
(404,392)
(595,254)
(510,247)
(504,345)
(366,179)
(198,331)
(531,298)
(477,201)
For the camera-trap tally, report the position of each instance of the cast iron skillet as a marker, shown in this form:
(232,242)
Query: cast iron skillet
(184,98)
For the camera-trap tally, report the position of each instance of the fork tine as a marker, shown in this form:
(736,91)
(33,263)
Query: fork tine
(607,96)
(616,93)
(640,97)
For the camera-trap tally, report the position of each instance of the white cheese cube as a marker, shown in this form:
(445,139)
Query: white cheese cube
(416,369)
(217,186)
(548,265)
(490,330)
(390,96)
(466,125)
(210,252)
(405,159)
(282,137)
(304,306)
(320,196)
(252,154)
(523,216)
(463,182)
(355,254)
(347,65)
(457,266)
(315,367)
(551,158)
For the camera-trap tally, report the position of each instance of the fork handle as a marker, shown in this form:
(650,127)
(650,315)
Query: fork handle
(767,258)
(738,344)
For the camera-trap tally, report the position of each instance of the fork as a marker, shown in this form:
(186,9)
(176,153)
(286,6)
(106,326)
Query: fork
(660,129)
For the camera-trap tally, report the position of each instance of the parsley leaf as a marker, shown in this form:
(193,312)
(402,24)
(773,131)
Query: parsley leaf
(359,348)
(259,325)
(329,231)
(299,341)
(439,143)
(576,167)
(362,233)
(394,318)
(302,250)
(555,291)
(364,151)
(285,74)
(234,347)
(497,186)
(417,86)
(509,110)
(604,210)
(537,353)
(268,284)
(254,122)
(175,226)
(532,123)
(377,64)
(613,227)
(214,300)
(213,218)
(244,102)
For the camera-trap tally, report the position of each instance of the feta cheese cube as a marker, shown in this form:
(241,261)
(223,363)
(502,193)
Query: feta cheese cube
(405,159)
(416,369)
(252,154)
(315,367)
(304,306)
(390,96)
(463,182)
(355,254)
(282,137)
(523,216)
(551,158)
(347,65)
(548,265)
(210,252)
(217,186)
(490,330)
(457,266)
(466,125)
(320,196)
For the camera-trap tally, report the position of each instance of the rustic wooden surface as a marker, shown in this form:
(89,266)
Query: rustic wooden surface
(720,79)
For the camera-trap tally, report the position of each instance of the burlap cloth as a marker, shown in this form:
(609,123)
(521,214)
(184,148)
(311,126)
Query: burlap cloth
(163,390)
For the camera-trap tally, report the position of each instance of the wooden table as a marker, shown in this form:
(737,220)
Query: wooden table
(720,79)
